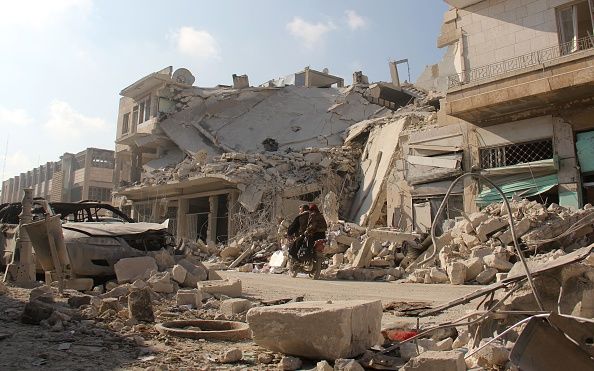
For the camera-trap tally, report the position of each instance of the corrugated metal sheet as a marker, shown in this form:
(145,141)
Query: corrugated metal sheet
(585,151)
(521,188)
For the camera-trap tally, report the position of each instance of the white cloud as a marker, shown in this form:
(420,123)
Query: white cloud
(196,43)
(16,162)
(67,124)
(37,14)
(354,20)
(10,117)
(310,34)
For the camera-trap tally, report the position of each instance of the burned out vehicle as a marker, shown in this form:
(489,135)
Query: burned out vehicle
(96,235)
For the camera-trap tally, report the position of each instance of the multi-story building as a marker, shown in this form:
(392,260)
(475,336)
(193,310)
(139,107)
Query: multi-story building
(87,175)
(519,81)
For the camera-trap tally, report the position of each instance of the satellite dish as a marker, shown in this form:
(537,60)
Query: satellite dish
(183,76)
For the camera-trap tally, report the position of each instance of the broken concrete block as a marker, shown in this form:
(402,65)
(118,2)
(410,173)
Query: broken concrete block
(445,344)
(230,252)
(246,268)
(495,261)
(474,266)
(457,273)
(436,361)
(278,259)
(490,226)
(189,297)
(131,269)
(492,355)
(323,366)
(522,227)
(364,254)
(500,276)
(477,218)
(470,240)
(481,251)
(234,306)
(337,259)
(438,276)
(289,363)
(163,259)
(195,273)
(213,275)
(227,287)
(178,274)
(487,276)
(117,292)
(318,329)
(461,340)
(409,350)
(347,365)
(230,356)
(360,274)
(79,300)
(79,284)
(161,282)
(36,311)
(110,304)
(140,307)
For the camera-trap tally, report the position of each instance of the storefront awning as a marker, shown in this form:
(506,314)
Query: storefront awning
(521,188)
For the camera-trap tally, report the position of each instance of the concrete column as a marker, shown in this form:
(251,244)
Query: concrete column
(232,207)
(570,189)
(68,180)
(87,173)
(136,164)
(471,160)
(21,270)
(394,74)
(211,234)
(183,207)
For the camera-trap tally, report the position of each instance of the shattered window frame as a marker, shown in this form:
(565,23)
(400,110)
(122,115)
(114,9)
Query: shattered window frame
(126,123)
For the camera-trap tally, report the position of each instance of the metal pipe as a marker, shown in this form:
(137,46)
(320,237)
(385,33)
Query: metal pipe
(511,226)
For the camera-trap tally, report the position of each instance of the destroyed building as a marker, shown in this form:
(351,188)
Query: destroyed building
(204,157)
(517,80)
(86,175)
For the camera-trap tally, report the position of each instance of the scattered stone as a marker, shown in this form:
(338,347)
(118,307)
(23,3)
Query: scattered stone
(140,307)
(230,307)
(194,273)
(231,356)
(437,361)
(246,268)
(487,276)
(191,297)
(265,358)
(492,355)
(318,329)
(324,366)
(36,311)
(161,282)
(495,261)
(490,226)
(109,304)
(79,300)
(178,274)
(462,340)
(474,266)
(163,259)
(347,365)
(438,276)
(79,284)
(289,363)
(227,287)
(457,273)
(131,269)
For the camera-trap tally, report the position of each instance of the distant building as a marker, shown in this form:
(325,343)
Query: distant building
(87,175)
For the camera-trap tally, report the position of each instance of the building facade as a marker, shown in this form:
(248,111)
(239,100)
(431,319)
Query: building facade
(86,175)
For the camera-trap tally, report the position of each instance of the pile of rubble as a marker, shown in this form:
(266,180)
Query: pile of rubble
(480,248)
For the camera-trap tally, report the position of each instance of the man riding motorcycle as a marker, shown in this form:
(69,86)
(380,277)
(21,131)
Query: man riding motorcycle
(297,229)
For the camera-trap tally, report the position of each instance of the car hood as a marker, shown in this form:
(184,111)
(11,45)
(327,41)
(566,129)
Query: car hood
(114,229)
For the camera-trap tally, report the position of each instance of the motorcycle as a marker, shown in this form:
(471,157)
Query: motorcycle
(308,262)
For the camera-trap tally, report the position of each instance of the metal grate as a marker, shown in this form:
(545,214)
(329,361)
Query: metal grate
(520,62)
(514,154)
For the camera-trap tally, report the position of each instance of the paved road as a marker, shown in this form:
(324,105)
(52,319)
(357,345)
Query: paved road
(277,286)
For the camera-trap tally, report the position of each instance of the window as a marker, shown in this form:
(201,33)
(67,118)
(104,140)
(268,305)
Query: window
(514,154)
(99,194)
(147,108)
(574,23)
(135,115)
(141,116)
(126,123)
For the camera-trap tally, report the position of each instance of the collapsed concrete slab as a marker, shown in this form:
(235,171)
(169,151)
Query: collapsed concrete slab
(317,329)
(227,287)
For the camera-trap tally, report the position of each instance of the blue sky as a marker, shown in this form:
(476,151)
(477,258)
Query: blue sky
(65,61)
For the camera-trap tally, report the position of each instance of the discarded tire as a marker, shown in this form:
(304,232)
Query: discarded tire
(208,329)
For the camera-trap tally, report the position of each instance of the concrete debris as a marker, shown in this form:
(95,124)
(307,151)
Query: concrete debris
(131,269)
(227,287)
(437,361)
(230,307)
(231,356)
(318,329)
(347,365)
(290,363)
(139,305)
(192,298)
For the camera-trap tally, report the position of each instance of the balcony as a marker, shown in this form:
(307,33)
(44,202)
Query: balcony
(524,86)
(139,132)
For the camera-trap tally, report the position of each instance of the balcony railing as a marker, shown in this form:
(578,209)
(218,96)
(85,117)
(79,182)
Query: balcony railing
(520,62)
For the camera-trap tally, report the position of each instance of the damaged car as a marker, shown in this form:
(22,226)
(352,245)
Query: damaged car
(97,235)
